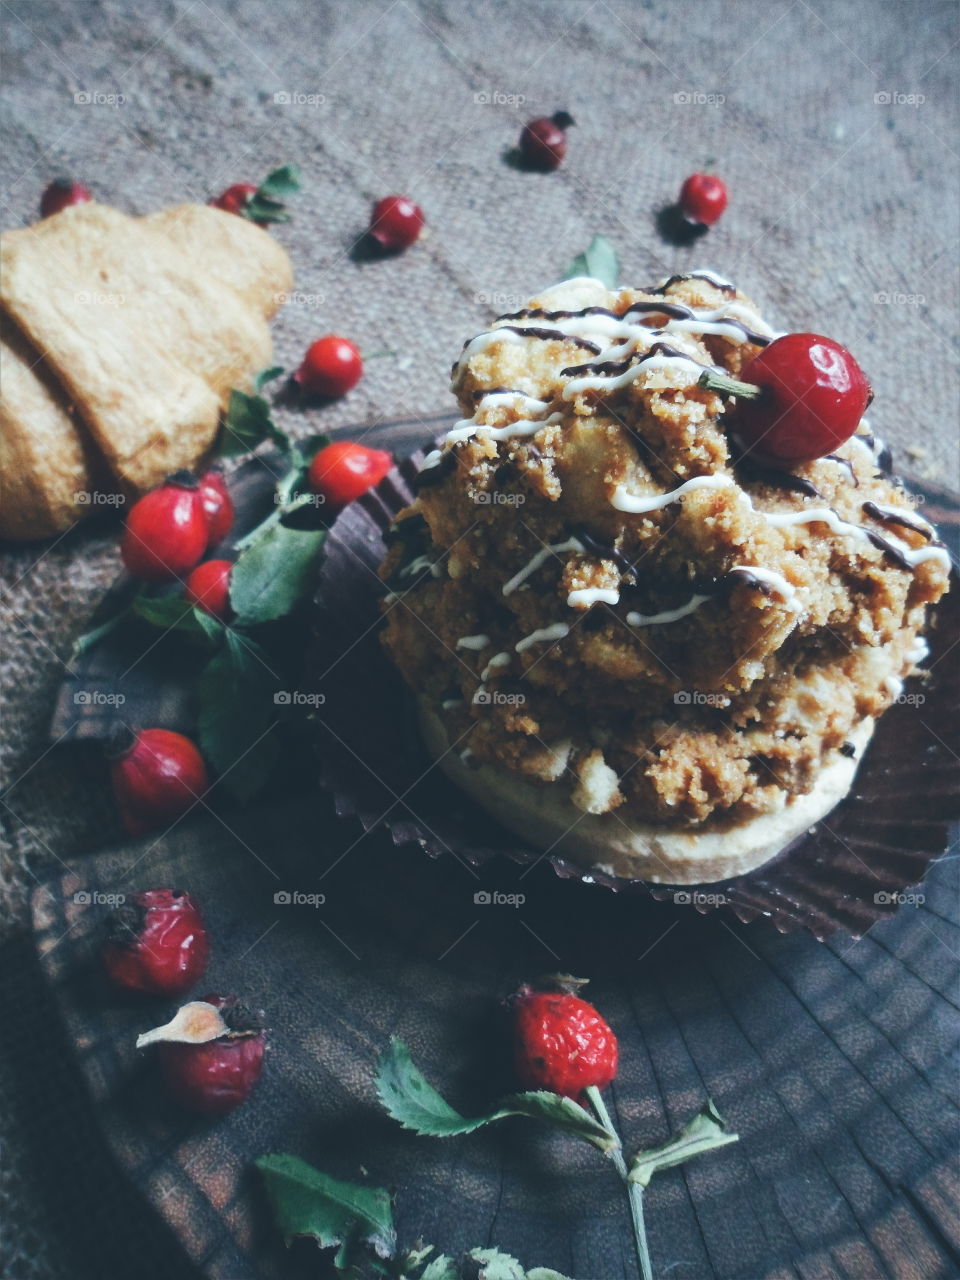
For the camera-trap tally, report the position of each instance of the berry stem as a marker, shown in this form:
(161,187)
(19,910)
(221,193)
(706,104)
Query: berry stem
(634,1190)
(725,386)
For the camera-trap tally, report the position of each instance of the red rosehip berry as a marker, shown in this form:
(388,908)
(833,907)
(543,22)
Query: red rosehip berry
(331,367)
(396,222)
(799,399)
(235,198)
(561,1042)
(342,471)
(217,505)
(703,198)
(156,943)
(166,531)
(211,1054)
(61,193)
(156,778)
(543,142)
(208,587)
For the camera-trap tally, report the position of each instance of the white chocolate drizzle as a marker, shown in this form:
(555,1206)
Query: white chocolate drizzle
(637,504)
(546,635)
(535,561)
(585,597)
(475,643)
(496,663)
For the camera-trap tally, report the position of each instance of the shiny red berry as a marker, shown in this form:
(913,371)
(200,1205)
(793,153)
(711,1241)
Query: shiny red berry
(208,587)
(235,198)
(561,1043)
(343,471)
(813,396)
(543,142)
(703,198)
(217,505)
(166,531)
(215,1077)
(331,367)
(156,943)
(62,193)
(156,778)
(396,222)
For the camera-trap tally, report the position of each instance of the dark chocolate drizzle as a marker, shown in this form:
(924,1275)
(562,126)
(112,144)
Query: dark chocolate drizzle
(843,462)
(728,290)
(615,367)
(886,517)
(545,335)
(849,750)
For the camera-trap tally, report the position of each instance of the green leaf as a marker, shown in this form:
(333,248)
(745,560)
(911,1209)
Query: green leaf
(238,714)
(562,1113)
(441,1268)
(340,1215)
(414,1103)
(274,573)
(545,1273)
(600,260)
(284,181)
(266,204)
(705,1132)
(246,424)
(492,1265)
(173,613)
(267,375)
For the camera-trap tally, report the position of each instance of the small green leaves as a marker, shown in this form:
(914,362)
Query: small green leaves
(267,375)
(266,204)
(705,1132)
(273,573)
(340,1215)
(173,613)
(414,1103)
(236,723)
(562,1113)
(246,424)
(599,260)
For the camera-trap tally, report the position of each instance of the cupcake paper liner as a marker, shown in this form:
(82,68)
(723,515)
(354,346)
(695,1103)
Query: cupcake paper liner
(847,872)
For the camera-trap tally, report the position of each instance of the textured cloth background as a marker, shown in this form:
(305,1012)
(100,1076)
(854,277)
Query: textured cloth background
(834,125)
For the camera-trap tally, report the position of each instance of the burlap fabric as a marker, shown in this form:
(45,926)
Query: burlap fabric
(834,125)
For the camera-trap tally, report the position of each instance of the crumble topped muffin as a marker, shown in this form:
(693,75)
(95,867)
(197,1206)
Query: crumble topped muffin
(626,639)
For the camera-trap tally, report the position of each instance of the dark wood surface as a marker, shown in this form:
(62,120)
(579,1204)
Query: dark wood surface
(832,1060)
